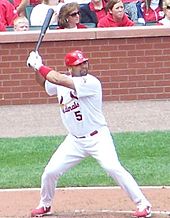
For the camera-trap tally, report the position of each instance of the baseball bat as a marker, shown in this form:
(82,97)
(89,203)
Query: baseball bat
(44,27)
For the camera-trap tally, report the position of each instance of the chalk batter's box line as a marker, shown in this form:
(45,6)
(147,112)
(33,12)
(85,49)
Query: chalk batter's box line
(91,212)
(117,211)
(82,188)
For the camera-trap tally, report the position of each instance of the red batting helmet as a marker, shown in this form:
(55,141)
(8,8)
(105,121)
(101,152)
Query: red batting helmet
(74,58)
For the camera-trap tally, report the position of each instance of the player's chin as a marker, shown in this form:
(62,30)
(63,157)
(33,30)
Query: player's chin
(84,72)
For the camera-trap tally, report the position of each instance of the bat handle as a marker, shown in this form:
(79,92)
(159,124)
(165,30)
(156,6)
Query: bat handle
(39,42)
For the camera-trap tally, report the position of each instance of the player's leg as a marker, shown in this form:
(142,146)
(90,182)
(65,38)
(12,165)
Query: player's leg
(65,157)
(106,155)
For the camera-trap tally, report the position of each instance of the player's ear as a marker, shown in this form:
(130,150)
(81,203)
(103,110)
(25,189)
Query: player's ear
(69,69)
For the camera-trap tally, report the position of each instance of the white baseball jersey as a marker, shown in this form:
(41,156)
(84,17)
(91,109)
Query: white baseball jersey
(81,110)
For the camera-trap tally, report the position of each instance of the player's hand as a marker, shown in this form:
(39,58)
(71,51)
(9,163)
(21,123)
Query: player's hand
(34,60)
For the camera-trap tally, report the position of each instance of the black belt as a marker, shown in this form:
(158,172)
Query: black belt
(91,134)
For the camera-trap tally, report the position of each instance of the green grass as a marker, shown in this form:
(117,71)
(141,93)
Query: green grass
(145,155)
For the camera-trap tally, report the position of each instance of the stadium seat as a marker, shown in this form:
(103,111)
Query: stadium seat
(89,25)
(151,23)
(82,4)
(53,27)
(9,28)
(139,24)
(34,27)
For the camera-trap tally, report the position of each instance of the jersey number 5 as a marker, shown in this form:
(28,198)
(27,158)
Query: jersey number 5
(78,115)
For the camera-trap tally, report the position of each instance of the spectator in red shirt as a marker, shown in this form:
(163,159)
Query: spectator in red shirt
(27,2)
(93,11)
(69,16)
(7,13)
(116,16)
(166,20)
(34,2)
(20,5)
(152,11)
(2,27)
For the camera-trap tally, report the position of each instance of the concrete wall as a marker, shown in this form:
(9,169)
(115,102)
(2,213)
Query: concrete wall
(132,63)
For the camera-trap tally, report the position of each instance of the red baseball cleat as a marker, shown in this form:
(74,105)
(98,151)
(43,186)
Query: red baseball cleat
(142,211)
(42,211)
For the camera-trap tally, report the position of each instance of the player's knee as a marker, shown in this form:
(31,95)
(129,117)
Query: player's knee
(51,174)
(114,169)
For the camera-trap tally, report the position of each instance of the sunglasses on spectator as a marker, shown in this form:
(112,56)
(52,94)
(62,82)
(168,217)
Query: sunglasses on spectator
(75,13)
(168,7)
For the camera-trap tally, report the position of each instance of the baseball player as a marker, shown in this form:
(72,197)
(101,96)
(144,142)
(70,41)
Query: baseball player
(80,97)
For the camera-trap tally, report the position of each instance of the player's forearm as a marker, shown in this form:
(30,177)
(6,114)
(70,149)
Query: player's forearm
(56,77)
(35,61)
(60,79)
(40,79)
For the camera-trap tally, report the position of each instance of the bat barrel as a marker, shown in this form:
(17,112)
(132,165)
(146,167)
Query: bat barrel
(44,27)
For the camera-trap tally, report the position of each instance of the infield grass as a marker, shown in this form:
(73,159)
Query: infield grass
(145,155)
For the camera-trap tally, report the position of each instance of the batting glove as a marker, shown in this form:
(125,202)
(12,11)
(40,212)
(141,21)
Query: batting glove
(34,60)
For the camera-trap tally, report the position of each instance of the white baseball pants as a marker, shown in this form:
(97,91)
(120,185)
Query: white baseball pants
(73,150)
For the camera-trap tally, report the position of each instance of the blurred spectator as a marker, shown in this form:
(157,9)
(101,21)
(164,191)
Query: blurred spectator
(39,12)
(77,1)
(116,16)
(21,24)
(35,2)
(166,8)
(140,13)
(20,5)
(7,14)
(152,11)
(131,9)
(93,11)
(69,16)
(2,27)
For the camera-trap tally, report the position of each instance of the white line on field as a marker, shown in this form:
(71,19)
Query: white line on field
(118,211)
(82,188)
(105,211)
(153,212)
